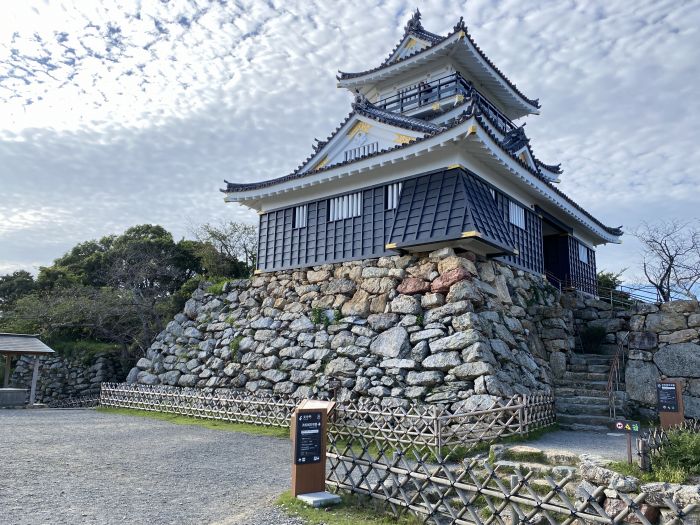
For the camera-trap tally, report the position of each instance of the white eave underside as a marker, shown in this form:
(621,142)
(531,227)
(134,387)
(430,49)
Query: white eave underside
(485,149)
(514,105)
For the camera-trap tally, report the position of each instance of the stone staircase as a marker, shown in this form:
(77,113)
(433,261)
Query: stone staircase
(581,396)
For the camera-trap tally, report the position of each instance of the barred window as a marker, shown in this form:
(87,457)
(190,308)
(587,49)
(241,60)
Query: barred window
(299,218)
(582,253)
(516,214)
(345,207)
(365,149)
(393,192)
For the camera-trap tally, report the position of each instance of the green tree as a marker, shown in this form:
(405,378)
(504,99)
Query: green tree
(227,249)
(15,285)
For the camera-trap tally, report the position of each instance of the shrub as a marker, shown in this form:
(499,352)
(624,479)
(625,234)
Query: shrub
(217,285)
(592,339)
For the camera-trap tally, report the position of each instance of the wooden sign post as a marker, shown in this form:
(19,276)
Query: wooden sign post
(629,428)
(669,396)
(308,433)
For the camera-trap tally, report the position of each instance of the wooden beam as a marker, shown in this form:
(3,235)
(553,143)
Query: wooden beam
(8,363)
(35,376)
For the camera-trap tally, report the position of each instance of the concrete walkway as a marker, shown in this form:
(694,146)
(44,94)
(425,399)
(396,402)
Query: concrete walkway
(606,446)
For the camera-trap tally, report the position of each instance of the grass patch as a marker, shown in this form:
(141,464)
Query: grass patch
(217,285)
(354,510)
(678,460)
(205,423)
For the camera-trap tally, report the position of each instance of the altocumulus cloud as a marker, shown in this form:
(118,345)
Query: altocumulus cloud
(118,113)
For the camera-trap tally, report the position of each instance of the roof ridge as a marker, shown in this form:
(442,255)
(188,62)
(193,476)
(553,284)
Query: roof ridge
(460,26)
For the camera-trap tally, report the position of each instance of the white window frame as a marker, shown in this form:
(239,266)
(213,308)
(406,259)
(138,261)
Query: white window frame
(516,214)
(392,195)
(583,254)
(300,216)
(345,207)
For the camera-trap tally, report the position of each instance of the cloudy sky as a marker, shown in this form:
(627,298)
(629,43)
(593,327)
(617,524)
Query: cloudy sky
(116,113)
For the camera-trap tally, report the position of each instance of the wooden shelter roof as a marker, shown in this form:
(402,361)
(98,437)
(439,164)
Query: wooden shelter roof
(22,344)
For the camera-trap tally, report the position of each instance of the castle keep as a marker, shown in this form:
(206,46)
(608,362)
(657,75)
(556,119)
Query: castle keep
(429,157)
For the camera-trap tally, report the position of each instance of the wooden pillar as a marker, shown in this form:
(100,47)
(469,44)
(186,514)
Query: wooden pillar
(8,363)
(35,376)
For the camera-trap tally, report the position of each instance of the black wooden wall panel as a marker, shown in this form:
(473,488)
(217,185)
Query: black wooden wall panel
(527,241)
(322,241)
(583,276)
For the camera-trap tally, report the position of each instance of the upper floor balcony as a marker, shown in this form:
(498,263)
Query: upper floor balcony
(424,96)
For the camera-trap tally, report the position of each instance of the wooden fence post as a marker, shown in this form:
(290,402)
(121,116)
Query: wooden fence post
(643,454)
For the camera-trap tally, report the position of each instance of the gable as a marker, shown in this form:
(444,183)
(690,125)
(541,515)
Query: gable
(410,45)
(358,138)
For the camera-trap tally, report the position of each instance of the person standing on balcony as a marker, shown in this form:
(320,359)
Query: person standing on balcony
(424,91)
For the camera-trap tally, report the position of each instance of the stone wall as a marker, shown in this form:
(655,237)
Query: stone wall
(436,328)
(63,378)
(664,342)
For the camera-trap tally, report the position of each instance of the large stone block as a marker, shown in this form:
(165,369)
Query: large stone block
(640,381)
(391,343)
(679,307)
(681,336)
(443,283)
(358,305)
(442,361)
(692,406)
(665,322)
(413,285)
(406,304)
(679,360)
(643,340)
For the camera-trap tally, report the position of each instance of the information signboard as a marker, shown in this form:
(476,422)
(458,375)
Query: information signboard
(667,396)
(308,438)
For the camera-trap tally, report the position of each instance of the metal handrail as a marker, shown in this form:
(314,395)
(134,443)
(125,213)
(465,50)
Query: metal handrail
(617,366)
(443,87)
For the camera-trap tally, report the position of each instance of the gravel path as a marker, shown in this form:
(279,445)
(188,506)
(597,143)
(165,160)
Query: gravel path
(607,446)
(86,467)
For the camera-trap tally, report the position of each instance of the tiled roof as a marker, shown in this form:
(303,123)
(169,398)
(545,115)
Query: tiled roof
(472,110)
(415,28)
(435,40)
(364,107)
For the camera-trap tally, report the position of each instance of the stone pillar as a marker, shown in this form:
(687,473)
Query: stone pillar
(35,376)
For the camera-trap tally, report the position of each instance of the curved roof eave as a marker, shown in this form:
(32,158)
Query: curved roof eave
(507,91)
(469,126)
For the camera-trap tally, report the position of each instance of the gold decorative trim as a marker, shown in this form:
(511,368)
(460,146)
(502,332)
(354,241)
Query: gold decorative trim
(472,233)
(390,245)
(403,139)
(454,166)
(257,272)
(321,163)
(471,130)
(461,34)
(411,43)
(260,212)
(359,126)
(459,98)
(435,106)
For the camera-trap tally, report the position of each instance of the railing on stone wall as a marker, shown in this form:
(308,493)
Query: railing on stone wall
(651,443)
(432,429)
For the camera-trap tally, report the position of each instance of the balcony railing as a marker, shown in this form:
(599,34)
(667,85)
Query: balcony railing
(439,89)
